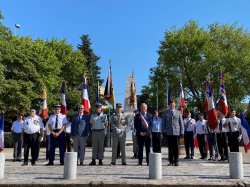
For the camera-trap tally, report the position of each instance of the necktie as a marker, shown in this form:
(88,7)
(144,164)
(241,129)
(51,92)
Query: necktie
(56,126)
(220,125)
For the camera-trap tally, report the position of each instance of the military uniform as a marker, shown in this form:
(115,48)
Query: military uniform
(31,128)
(16,129)
(118,127)
(97,122)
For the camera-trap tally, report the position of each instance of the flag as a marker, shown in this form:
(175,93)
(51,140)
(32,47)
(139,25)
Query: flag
(43,113)
(169,98)
(2,133)
(109,91)
(181,100)
(245,132)
(132,98)
(212,118)
(223,98)
(63,99)
(85,97)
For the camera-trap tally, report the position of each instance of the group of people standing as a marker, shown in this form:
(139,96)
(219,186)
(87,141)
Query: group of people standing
(148,130)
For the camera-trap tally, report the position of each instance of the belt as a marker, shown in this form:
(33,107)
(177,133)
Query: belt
(97,130)
(31,133)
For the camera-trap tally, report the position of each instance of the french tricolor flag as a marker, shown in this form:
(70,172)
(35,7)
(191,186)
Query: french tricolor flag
(245,132)
(181,100)
(212,118)
(85,97)
(223,97)
(63,99)
(1,133)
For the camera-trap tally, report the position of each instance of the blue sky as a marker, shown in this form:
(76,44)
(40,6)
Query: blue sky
(126,31)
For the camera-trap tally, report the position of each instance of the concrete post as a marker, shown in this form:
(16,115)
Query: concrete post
(2,164)
(155,166)
(70,165)
(236,165)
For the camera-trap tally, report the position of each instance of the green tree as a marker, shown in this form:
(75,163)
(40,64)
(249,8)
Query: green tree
(93,70)
(191,53)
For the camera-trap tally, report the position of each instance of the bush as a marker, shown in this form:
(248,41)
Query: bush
(8,141)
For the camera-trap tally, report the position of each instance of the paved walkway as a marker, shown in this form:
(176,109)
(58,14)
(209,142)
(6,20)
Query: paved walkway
(190,172)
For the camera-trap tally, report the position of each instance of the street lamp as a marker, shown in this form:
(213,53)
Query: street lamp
(17,26)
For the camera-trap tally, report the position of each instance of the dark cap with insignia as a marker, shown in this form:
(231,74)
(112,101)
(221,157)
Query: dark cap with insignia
(201,114)
(98,105)
(233,110)
(57,106)
(118,105)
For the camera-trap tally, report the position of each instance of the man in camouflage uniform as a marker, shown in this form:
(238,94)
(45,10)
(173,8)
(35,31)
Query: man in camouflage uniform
(118,126)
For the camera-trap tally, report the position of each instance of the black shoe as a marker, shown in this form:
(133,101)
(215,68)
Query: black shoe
(191,157)
(61,163)
(187,157)
(211,158)
(25,164)
(81,163)
(112,164)
(18,160)
(176,164)
(14,159)
(139,164)
(147,164)
(100,162)
(33,164)
(170,164)
(49,164)
(93,163)
(124,164)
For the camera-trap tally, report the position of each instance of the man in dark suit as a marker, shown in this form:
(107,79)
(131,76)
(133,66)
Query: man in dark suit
(143,125)
(172,127)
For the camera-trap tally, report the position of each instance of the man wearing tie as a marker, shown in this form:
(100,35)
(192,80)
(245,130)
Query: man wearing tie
(172,124)
(143,126)
(56,125)
(79,132)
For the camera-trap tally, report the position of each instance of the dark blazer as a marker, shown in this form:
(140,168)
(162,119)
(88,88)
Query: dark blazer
(139,126)
(75,125)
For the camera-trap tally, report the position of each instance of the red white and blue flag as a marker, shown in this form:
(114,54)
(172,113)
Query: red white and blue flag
(245,132)
(223,97)
(2,133)
(63,99)
(144,121)
(85,97)
(212,118)
(181,100)
(43,113)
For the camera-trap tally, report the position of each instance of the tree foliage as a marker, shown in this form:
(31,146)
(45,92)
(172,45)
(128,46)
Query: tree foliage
(27,66)
(192,53)
(92,69)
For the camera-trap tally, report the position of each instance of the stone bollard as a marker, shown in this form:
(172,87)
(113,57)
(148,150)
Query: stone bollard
(2,164)
(70,165)
(236,165)
(155,168)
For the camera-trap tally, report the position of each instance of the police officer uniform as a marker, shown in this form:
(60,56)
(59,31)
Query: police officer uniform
(189,124)
(17,128)
(31,128)
(97,123)
(56,124)
(222,139)
(118,127)
(234,128)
